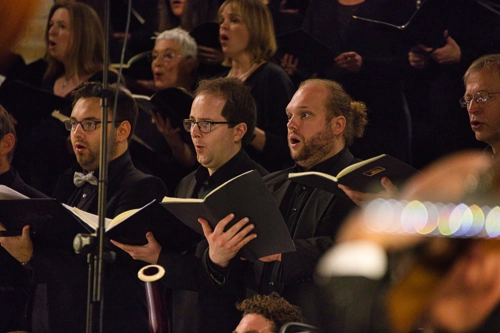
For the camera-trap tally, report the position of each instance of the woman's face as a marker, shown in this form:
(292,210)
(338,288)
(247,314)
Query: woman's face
(177,6)
(59,34)
(168,64)
(234,35)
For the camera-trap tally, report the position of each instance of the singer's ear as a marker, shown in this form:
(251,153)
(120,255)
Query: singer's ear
(123,131)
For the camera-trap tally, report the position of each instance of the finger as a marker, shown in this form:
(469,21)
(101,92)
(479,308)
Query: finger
(26,231)
(244,241)
(221,226)
(238,228)
(207,230)
(119,245)
(235,239)
(2,228)
(388,185)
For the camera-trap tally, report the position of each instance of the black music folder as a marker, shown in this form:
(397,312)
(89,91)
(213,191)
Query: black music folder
(207,34)
(28,104)
(245,195)
(313,54)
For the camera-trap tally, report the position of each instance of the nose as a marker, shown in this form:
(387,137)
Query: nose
(473,106)
(78,132)
(52,30)
(292,124)
(222,25)
(195,131)
(156,62)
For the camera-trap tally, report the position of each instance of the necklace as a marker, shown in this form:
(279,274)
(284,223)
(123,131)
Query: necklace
(245,75)
(66,81)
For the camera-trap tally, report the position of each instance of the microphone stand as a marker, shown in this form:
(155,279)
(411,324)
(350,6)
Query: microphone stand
(96,257)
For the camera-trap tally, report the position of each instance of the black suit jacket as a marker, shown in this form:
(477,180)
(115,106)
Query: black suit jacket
(14,285)
(196,305)
(314,233)
(64,274)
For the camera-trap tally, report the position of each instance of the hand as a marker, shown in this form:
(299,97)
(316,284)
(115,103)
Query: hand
(164,126)
(289,64)
(418,58)
(470,291)
(350,61)
(361,198)
(209,55)
(450,53)
(148,253)
(20,247)
(272,257)
(224,245)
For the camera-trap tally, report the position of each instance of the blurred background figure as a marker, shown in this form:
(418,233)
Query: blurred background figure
(434,81)
(173,60)
(417,282)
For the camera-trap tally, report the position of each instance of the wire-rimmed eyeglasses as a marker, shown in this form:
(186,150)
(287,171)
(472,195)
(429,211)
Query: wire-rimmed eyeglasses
(205,126)
(164,57)
(479,97)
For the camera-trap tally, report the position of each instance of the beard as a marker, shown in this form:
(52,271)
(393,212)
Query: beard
(90,160)
(315,148)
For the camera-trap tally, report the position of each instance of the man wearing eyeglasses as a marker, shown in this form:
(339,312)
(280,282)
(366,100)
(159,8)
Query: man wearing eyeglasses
(221,122)
(60,276)
(482,100)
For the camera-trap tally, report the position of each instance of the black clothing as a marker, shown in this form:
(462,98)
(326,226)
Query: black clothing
(378,84)
(272,90)
(14,284)
(215,312)
(314,224)
(64,274)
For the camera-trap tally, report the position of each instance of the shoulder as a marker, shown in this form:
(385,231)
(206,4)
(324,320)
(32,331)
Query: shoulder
(277,176)
(19,185)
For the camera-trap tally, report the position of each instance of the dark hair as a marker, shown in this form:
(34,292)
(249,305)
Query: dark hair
(240,106)
(489,61)
(274,308)
(126,108)
(6,127)
(86,45)
(339,103)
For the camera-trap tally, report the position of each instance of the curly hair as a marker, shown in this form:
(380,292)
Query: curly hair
(273,307)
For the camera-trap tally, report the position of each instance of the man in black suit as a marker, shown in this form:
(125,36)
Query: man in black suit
(60,276)
(221,123)
(14,288)
(322,122)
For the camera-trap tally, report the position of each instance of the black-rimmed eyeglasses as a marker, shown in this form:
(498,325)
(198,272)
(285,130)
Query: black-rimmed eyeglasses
(205,126)
(87,125)
(479,97)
